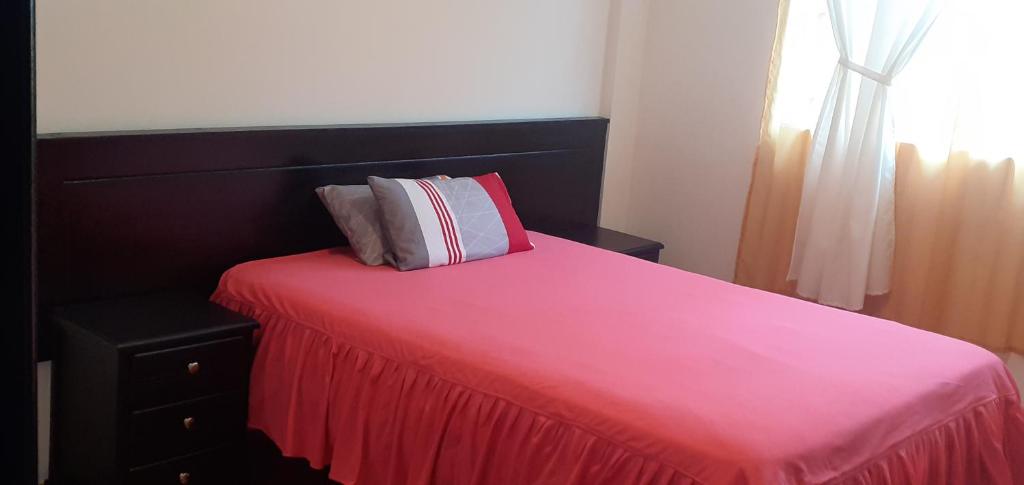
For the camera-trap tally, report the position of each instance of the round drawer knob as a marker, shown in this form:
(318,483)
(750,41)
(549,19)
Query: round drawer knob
(193,368)
(184,478)
(189,422)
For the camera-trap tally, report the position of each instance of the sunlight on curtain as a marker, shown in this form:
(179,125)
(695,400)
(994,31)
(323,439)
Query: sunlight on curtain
(963,91)
(958,266)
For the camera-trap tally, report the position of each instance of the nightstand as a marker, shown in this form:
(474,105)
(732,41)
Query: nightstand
(600,237)
(150,390)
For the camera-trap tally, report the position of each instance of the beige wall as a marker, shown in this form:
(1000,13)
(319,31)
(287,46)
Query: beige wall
(135,64)
(704,69)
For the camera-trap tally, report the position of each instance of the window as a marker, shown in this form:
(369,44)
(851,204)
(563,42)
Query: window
(963,90)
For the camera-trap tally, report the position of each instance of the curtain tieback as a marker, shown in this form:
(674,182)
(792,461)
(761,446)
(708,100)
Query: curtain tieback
(883,79)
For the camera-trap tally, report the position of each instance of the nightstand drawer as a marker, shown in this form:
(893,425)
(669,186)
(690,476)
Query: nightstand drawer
(222,466)
(180,429)
(179,373)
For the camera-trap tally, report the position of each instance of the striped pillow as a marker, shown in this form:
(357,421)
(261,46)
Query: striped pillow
(355,212)
(440,222)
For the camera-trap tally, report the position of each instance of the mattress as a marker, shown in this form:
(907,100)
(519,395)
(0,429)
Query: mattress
(571,364)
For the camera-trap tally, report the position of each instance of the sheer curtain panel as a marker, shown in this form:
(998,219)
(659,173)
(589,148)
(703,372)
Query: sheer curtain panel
(845,233)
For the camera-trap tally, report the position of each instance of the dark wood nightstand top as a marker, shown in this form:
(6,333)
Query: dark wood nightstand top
(600,237)
(141,320)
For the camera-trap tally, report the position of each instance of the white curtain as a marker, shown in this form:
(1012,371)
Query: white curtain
(845,230)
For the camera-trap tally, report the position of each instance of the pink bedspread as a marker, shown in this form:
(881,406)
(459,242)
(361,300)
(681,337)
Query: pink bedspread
(569,364)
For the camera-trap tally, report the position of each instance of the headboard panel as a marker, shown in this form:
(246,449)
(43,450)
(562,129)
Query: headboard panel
(131,212)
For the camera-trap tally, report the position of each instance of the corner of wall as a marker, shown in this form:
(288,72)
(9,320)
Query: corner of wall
(620,94)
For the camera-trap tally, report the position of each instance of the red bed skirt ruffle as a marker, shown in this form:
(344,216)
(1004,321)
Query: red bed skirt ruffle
(373,421)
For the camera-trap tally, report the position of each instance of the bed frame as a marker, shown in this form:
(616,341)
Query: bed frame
(123,213)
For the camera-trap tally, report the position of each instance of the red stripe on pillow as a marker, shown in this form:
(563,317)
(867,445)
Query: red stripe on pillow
(495,187)
(441,221)
(447,213)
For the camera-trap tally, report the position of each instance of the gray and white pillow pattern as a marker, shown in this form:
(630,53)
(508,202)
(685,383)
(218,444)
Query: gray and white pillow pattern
(441,222)
(356,213)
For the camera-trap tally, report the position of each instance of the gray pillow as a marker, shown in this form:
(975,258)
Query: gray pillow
(356,213)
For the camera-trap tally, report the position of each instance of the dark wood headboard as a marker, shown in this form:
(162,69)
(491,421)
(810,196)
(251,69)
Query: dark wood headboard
(130,212)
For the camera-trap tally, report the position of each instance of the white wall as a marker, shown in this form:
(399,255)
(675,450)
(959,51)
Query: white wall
(620,102)
(136,64)
(705,64)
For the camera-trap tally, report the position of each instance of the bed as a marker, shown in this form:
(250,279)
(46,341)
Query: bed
(564,364)
(569,364)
